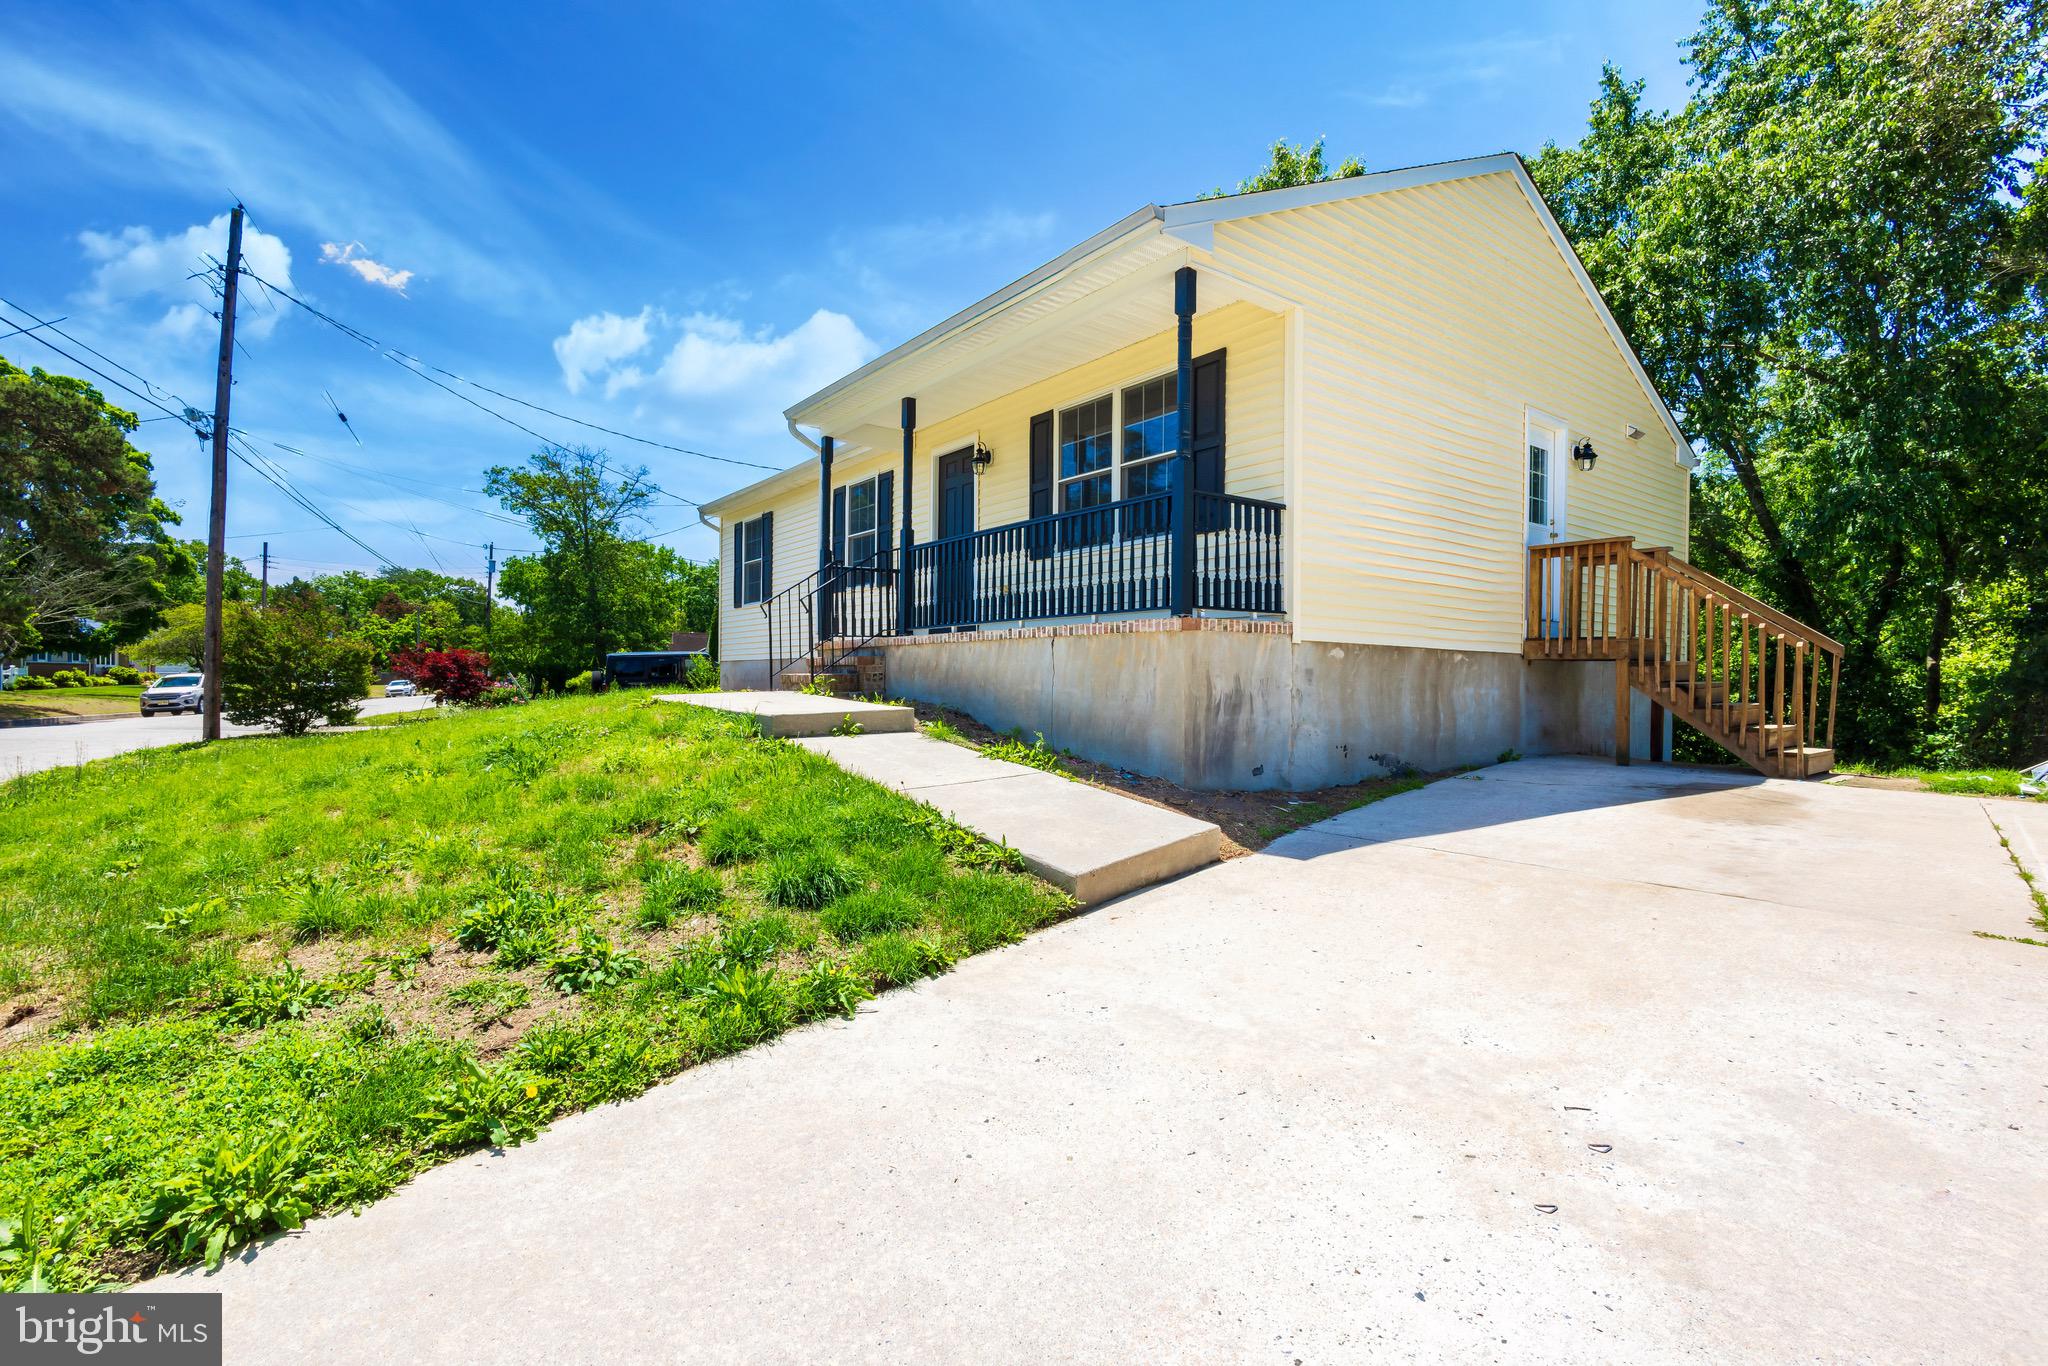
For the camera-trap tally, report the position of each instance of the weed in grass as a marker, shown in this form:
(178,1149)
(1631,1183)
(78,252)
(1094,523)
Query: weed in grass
(805,879)
(742,1006)
(33,1244)
(1037,754)
(732,838)
(368,1025)
(323,906)
(283,993)
(669,891)
(241,1188)
(868,913)
(591,963)
(939,729)
(894,960)
(959,843)
(1508,756)
(496,1106)
(525,946)
(828,989)
(488,999)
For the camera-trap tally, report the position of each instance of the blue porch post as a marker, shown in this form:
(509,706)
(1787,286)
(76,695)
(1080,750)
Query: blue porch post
(1181,478)
(903,575)
(826,626)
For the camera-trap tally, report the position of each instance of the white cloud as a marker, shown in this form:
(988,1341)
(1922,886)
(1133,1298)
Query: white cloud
(136,264)
(594,344)
(720,378)
(718,357)
(369,271)
(1484,66)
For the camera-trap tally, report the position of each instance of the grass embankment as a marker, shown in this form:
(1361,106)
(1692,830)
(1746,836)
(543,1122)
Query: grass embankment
(1967,782)
(250,981)
(112,700)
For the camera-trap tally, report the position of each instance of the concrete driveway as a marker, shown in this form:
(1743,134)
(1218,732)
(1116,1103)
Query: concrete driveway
(31,749)
(1556,1062)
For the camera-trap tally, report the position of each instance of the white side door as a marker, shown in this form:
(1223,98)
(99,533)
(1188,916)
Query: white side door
(1543,493)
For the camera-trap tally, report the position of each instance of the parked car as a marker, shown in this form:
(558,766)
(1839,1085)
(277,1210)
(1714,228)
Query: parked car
(647,668)
(400,687)
(174,693)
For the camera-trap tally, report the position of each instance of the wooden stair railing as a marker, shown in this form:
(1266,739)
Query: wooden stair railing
(1757,682)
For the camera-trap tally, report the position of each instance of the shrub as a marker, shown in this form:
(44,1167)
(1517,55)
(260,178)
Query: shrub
(504,695)
(458,676)
(33,683)
(241,1188)
(580,683)
(291,666)
(124,675)
(72,678)
(703,675)
(592,962)
(805,879)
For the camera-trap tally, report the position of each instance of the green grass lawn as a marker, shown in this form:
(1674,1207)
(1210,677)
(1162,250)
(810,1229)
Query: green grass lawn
(255,980)
(109,700)
(1969,782)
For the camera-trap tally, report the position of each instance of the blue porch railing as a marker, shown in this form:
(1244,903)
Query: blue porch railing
(1116,559)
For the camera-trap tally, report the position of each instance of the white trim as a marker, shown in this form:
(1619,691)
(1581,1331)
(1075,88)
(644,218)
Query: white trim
(1556,478)
(1682,451)
(1226,208)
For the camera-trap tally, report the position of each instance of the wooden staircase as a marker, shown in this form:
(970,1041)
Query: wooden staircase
(1740,672)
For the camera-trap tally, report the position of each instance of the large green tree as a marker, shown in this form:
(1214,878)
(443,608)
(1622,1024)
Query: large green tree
(593,588)
(1289,164)
(1831,259)
(83,551)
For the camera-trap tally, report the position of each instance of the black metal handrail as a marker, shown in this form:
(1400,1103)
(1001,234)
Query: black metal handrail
(846,606)
(1109,560)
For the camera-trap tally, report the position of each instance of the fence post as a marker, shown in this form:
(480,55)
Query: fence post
(1181,478)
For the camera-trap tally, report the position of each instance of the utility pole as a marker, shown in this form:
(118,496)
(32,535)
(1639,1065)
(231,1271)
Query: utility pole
(490,588)
(217,519)
(263,600)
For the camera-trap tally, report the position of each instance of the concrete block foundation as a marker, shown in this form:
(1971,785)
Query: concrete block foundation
(1243,705)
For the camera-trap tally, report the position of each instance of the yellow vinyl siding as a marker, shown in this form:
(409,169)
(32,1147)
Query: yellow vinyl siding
(1433,318)
(792,557)
(1252,415)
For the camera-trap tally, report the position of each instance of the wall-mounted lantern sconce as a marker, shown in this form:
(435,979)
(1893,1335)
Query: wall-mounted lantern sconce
(982,458)
(1585,455)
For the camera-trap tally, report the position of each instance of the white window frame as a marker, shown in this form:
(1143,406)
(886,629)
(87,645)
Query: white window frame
(751,529)
(1060,480)
(873,484)
(1123,466)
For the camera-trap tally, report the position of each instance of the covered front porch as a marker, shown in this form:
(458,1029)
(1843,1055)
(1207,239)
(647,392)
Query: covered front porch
(1103,445)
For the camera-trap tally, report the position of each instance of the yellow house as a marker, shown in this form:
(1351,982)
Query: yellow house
(1277,489)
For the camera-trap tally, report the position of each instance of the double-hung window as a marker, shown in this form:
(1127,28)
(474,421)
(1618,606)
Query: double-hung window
(1085,480)
(863,530)
(753,537)
(1151,425)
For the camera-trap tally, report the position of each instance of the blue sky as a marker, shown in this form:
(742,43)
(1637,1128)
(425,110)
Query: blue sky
(672,224)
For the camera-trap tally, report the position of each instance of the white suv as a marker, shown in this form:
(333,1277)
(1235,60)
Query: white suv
(174,693)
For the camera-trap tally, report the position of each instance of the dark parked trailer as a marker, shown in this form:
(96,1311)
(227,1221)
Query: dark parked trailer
(648,668)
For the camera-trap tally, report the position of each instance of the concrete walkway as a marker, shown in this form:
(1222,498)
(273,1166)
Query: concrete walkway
(1555,1063)
(1090,843)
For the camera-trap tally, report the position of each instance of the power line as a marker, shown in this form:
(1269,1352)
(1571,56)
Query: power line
(415,364)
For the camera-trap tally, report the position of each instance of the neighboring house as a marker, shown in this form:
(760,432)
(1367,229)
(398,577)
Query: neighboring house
(1274,490)
(46,662)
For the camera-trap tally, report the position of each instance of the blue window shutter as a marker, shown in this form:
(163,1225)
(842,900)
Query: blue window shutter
(885,517)
(1040,542)
(737,561)
(1206,441)
(767,550)
(839,525)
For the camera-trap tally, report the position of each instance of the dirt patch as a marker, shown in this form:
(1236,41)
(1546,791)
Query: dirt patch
(1249,820)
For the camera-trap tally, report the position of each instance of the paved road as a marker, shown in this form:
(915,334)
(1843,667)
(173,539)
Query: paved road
(1318,1105)
(30,749)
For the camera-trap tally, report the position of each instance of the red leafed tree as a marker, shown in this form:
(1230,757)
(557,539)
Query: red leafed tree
(451,675)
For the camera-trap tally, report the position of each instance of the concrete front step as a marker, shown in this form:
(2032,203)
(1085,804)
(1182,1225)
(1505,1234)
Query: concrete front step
(1090,842)
(790,715)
